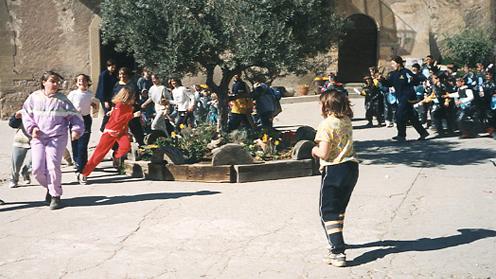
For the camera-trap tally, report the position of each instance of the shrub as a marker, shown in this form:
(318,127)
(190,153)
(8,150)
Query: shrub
(192,142)
(469,47)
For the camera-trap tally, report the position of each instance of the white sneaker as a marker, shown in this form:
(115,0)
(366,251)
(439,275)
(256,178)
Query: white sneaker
(12,184)
(83,180)
(338,260)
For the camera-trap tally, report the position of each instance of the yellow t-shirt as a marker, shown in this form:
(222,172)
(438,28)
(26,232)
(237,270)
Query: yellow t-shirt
(339,134)
(242,106)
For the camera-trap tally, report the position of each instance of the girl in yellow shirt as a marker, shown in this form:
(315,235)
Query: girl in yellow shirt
(339,168)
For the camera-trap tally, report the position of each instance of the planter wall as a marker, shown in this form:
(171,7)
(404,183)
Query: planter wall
(227,174)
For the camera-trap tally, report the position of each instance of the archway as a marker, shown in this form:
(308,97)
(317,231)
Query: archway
(357,49)
(121,59)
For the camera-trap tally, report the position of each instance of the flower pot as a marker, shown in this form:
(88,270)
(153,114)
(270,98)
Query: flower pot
(303,89)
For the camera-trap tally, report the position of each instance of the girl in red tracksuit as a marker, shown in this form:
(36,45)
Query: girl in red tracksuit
(116,131)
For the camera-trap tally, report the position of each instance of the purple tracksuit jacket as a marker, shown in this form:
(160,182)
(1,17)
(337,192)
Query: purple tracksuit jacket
(52,115)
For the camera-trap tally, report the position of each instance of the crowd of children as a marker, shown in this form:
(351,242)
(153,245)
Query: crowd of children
(139,110)
(446,100)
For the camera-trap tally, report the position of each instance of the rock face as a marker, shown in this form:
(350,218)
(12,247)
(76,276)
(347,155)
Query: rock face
(302,150)
(231,154)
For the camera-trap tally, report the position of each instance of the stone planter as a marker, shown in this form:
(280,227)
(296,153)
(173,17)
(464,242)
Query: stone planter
(204,172)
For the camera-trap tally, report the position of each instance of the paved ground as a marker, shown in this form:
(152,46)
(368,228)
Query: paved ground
(420,210)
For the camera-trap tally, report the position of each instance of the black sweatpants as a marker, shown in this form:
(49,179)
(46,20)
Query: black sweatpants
(336,187)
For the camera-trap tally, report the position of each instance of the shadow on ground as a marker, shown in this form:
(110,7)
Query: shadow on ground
(423,244)
(104,200)
(430,153)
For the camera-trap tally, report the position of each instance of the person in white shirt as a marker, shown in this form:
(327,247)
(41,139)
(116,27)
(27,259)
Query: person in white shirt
(83,101)
(160,96)
(184,100)
(463,101)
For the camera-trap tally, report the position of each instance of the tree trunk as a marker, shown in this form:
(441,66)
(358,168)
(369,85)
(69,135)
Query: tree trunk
(221,90)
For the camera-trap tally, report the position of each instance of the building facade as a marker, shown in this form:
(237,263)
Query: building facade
(64,35)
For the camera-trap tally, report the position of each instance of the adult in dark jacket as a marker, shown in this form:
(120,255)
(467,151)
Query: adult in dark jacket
(106,82)
(403,81)
(265,103)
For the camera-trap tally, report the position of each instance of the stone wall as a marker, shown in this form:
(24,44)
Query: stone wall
(415,28)
(63,35)
(40,35)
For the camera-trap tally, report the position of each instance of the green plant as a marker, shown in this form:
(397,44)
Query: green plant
(469,47)
(191,141)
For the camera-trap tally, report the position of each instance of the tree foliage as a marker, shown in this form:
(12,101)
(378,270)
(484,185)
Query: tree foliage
(469,47)
(177,37)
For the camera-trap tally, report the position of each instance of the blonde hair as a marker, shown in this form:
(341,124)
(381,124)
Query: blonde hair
(125,96)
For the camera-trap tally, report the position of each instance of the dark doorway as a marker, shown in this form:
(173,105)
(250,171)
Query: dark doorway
(108,51)
(358,49)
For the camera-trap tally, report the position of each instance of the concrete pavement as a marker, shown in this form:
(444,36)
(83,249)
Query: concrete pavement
(420,210)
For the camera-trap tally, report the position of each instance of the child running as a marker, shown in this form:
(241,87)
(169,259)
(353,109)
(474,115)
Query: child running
(116,131)
(339,168)
(83,100)
(47,114)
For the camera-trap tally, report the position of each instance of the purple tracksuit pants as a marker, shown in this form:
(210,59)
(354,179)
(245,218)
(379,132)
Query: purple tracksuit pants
(47,154)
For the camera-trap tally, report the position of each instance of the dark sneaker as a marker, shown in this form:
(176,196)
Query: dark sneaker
(399,139)
(55,203)
(115,162)
(338,260)
(25,176)
(48,198)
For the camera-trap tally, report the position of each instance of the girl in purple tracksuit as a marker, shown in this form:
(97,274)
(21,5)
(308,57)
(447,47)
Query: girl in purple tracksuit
(47,115)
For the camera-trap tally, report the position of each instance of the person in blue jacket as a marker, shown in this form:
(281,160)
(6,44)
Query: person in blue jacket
(403,80)
(106,81)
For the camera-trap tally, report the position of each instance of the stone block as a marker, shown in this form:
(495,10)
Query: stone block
(302,150)
(169,154)
(231,154)
(305,133)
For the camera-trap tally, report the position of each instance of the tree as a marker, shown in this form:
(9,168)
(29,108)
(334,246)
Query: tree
(177,37)
(469,47)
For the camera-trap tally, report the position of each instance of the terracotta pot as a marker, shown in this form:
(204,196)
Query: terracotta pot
(302,89)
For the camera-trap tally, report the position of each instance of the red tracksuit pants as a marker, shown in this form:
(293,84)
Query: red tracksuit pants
(104,145)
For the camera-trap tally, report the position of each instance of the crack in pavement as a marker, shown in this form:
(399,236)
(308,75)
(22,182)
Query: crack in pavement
(17,261)
(243,246)
(121,243)
(24,216)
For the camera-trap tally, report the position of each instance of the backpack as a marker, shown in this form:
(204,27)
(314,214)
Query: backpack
(276,93)
(14,122)
(277,96)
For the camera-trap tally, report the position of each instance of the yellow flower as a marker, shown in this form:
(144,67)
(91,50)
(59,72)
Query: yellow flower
(173,134)
(151,146)
(182,126)
(277,142)
(265,138)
